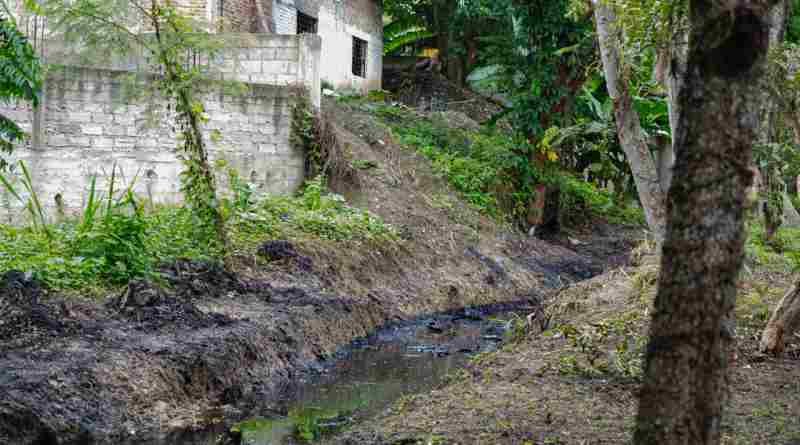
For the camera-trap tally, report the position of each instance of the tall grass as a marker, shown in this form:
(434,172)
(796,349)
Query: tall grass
(114,240)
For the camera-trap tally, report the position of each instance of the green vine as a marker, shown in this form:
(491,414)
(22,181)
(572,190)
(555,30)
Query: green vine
(305,134)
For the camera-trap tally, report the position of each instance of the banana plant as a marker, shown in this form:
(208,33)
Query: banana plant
(401,33)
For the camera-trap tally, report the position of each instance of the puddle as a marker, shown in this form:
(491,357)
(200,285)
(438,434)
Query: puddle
(369,376)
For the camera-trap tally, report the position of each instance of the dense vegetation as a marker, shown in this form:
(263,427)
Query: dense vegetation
(493,171)
(116,240)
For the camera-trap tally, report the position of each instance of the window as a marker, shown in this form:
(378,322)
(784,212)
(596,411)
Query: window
(359,57)
(306,24)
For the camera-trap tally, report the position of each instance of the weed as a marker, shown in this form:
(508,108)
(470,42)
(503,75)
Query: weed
(312,423)
(759,252)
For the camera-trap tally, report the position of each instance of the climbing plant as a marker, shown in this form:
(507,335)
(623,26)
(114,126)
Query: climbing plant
(113,28)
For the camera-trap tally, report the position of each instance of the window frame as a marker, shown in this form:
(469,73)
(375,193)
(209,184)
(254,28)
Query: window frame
(303,20)
(359,57)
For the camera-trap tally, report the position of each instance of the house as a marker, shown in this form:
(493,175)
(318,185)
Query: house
(351,31)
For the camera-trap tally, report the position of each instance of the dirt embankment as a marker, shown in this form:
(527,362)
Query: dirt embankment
(216,345)
(576,383)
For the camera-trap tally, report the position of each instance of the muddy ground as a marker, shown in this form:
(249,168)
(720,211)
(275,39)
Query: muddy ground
(209,346)
(547,388)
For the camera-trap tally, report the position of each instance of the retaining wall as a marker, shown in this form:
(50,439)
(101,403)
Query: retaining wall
(90,121)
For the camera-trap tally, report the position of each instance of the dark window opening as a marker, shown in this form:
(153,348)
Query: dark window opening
(306,24)
(359,57)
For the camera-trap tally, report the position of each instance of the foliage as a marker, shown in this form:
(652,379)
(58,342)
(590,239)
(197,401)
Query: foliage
(399,34)
(115,240)
(32,204)
(20,78)
(305,134)
(493,171)
(315,213)
(590,144)
(311,424)
(107,242)
(762,253)
(535,54)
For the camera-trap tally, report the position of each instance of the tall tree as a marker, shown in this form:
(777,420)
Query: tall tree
(629,130)
(685,385)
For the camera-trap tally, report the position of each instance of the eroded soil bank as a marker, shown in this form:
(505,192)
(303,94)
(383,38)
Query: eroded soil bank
(209,346)
(576,382)
(216,346)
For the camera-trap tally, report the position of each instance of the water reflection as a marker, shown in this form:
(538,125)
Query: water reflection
(392,364)
(367,378)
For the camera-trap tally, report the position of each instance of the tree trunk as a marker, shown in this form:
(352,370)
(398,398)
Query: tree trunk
(629,128)
(785,321)
(686,369)
(678,52)
(771,177)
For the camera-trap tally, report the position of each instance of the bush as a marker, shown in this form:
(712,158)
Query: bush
(315,213)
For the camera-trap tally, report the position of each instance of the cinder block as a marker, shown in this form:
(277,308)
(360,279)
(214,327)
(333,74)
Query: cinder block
(92,130)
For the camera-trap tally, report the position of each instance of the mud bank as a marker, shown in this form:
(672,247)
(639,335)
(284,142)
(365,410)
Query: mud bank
(150,362)
(214,346)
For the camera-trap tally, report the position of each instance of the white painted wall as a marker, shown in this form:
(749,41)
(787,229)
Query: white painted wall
(337,26)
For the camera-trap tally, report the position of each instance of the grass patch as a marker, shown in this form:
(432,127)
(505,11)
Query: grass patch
(494,171)
(785,259)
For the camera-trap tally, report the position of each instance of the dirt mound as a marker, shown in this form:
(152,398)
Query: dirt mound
(25,320)
(282,250)
(199,278)
(150,308)
(431,91)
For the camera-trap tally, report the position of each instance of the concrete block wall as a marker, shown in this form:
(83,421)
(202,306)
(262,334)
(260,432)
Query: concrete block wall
(246,57)
(88,123)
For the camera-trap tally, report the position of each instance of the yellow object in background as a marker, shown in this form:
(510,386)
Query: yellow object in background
(430,52)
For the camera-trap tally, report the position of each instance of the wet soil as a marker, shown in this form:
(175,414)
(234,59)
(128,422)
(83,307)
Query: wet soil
(207,347)
(533,391)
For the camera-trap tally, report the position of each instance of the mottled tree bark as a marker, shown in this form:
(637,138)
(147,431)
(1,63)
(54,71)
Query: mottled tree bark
(686,370)
(629,130)
(785,321)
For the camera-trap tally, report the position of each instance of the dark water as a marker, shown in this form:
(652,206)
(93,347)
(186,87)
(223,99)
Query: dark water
(371,375)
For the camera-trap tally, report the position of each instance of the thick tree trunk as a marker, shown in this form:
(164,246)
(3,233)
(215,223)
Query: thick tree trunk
(784,323)
(629,130)
(686,369)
